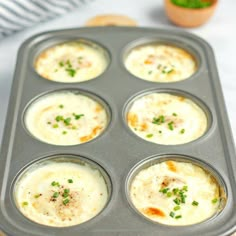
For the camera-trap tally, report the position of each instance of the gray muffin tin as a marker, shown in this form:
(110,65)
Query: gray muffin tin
(118,150)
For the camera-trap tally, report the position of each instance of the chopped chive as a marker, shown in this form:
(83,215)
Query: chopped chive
(55,195)
(194,203)
(215,200)
(176,201)
(170,125)
(66,190)
(174,114)
(175,191)
(49,123)
(176,208)
(169,71)
(61,106)
(77,117)
(164,190)
(59,118)
(64,132)
(149,135)
(54,183)
(182,131)
(67,121)
(66,201)
(71,72)
(160,131)
(150,72)
(55,126)
(73,127)
(68,63)
(37,195)
(61,63)
(163,72)
(25,203)
(172,214)
(70,181)
(178,217)
(185,188)
(169,194)
(159,120)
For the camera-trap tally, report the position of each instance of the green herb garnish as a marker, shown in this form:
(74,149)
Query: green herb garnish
(66,201)
(77,117)
(59,118)
(215,200)
(66,193)
(149,135)
(71,72)
(169,194)
(170,125)
(192,3)
(54,183)
(25,203)
(61,106)
(174,114)
(164,190)
(159,131)
(178,217)
(176,208)
(64,132)
(182,131)
(70,181)
(172,214)
(67,121)
(159,120)
(150,72)
(176,201)
(55,126)
(37,195)
(61,63)
(55,195)
(195,203)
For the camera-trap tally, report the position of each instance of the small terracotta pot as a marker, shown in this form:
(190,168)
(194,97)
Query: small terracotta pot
(189,17)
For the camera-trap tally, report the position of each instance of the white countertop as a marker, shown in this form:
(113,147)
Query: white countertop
(220,32)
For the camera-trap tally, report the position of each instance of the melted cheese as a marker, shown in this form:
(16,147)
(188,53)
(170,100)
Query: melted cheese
(87,194)
(201,187)
(160,63)
(71,62)
(166,119)
(65,118)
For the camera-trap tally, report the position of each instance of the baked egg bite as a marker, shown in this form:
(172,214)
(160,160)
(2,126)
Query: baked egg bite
(176,193)
(65,118)
(72,62)
(160,63)
(61,194)
(167,119)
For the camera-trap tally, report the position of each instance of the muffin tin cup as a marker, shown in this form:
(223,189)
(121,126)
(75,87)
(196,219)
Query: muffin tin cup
(64,158)
(148,162)
(117,150)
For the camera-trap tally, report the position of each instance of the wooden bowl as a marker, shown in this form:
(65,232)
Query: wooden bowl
(189,17)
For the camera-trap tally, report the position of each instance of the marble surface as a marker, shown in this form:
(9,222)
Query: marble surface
(220,32)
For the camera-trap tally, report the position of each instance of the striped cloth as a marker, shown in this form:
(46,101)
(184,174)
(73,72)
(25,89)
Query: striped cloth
(16,15)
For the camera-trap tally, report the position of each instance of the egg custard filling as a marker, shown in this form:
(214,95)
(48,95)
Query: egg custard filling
(61,193)
(166,119)
(65,118)
(176,193)
(71,62)
(160,63)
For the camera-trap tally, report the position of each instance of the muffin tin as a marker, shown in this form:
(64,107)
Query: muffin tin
(118,150)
